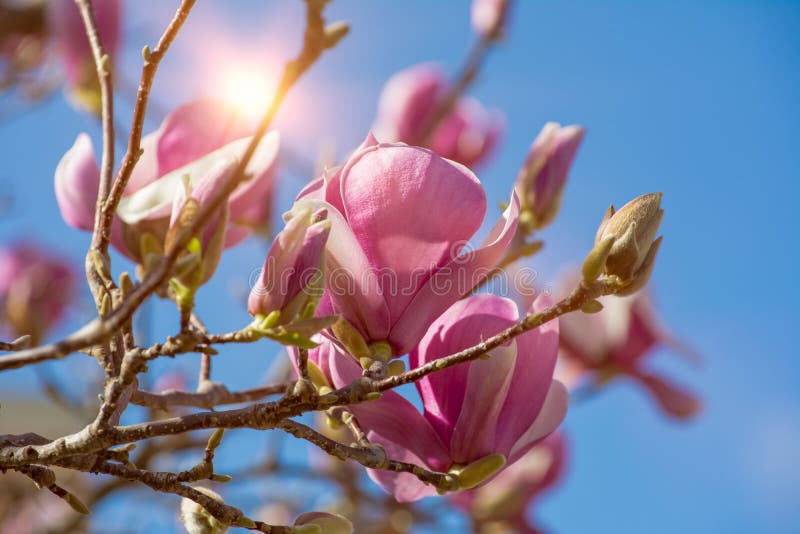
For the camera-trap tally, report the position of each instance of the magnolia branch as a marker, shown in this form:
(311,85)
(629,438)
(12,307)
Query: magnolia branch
(372,456)
(216,394)
(152,59)
(262,416)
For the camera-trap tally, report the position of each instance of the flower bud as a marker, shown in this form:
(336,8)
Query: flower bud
(488,17)
(540,183)
(633,228)
(207,246)
(196,519)
(327,523)
(291,280)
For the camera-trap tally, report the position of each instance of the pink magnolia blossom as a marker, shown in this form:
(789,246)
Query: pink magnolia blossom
(72,45)
(618,341)
(504,502)
(503,405)
(35,289)
(488,17)
(293,261)
(396,258)
(203,140)
(542,178)
(468,134)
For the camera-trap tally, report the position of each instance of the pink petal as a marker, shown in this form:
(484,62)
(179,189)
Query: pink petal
(195,129)
(550,416)
(391,420)
(454,280)
(188,133)
(77,180)
(474,434)
(411,211)
(466,323)
(400,429)
(537,352)
(251,202)
(351,290)
(674,400)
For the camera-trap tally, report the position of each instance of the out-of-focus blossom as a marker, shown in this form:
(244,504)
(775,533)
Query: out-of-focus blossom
(197,147)
(488,17)
(502,504)
(477,416)
(35,289)
(618,341)
(291,281)
(396,259)
(72,44)
(625,246)
(408,102)
(325,522)
(541,180)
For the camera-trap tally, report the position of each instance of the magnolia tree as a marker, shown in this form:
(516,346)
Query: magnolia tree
(369,285)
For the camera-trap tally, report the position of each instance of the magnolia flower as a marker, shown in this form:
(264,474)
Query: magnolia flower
(196,148)
(409,99)
(35,289)
(618,341)
(72,44)
(396,257)
(502,504)
(541,180)
(478,416)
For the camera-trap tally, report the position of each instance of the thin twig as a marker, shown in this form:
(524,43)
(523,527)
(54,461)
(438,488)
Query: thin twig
(152,59)
(217,395)
(373,457)
(102,329)
(467,75)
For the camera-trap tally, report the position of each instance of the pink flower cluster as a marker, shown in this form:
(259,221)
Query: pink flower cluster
(192,154)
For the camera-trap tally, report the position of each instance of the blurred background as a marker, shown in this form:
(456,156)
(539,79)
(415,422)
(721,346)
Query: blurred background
(696,99)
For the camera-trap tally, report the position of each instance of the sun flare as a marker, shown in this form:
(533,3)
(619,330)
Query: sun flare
(248,87)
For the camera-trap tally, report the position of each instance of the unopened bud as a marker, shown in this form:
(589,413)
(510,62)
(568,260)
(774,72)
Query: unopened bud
(633,229)
(381,351)
(397,367)
(335,32)
(291,279)
(76,504)
(197,519)
(592,306)
(480,470)
(327,523)
(352,339)
(541,180)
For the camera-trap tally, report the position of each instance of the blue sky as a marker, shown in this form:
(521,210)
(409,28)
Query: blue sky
(696,99)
